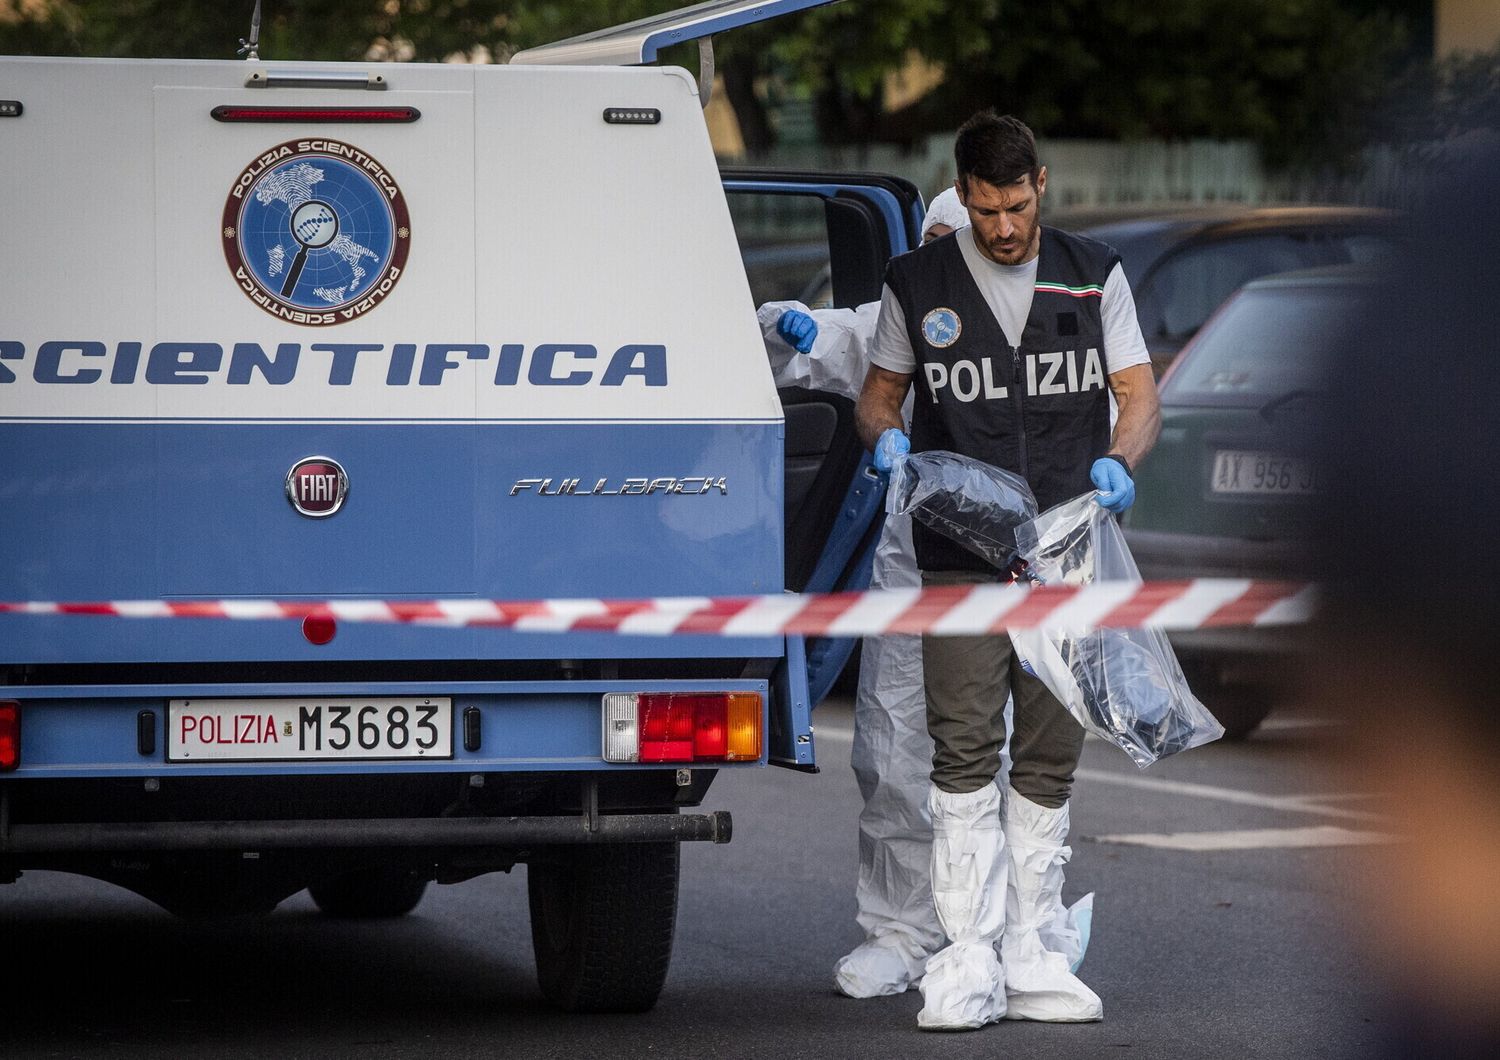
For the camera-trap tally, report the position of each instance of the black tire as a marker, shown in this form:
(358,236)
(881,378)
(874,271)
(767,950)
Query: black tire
(370,894)
(602,919)
(1239,708)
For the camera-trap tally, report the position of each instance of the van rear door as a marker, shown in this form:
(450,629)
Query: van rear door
(822,239)
(167,370)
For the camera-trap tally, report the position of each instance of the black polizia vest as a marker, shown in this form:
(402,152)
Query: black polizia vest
(1040,409)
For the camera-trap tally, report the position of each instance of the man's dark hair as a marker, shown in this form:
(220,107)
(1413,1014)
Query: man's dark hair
(998,150)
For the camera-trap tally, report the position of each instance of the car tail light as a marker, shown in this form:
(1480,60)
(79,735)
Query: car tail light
(10,735)
(682,726)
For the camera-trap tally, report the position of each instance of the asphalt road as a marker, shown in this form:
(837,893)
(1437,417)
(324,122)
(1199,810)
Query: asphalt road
(1215,950)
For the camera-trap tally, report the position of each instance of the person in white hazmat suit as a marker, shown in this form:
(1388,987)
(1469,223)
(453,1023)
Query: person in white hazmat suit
(827,350)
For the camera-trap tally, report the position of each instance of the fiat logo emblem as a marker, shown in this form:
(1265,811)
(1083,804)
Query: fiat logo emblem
(317,486)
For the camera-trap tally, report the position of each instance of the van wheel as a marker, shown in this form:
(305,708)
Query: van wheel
(602,919)
(370,894)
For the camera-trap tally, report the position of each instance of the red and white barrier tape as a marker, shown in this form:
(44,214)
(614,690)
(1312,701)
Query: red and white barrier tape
(946,610)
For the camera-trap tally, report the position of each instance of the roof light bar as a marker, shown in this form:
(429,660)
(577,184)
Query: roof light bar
(355,115)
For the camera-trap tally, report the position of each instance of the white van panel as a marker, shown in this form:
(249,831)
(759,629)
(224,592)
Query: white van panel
(542,240)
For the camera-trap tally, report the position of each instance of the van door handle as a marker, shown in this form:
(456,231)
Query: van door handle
(315,79)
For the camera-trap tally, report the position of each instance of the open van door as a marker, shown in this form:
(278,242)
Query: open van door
(823,239)
(639,42)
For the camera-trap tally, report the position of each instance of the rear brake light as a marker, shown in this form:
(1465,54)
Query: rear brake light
(10,735)
(682,726)
(359,115)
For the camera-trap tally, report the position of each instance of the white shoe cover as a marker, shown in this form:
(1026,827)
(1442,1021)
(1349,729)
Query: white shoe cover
(1039,984)
(964,986)
(888,964)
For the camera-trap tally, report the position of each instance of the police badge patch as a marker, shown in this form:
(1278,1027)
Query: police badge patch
(941,327)
(316,232)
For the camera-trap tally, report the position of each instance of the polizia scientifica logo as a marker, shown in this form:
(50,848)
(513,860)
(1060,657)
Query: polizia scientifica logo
(942,327)
(316,232)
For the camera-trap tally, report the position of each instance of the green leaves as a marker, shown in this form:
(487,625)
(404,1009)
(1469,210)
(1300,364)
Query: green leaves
(1304,78)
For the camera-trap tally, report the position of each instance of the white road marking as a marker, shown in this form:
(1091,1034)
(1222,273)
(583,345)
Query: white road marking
(1327,835)
(1288,803)
(1302,804)
(1313,804)
(1273,723)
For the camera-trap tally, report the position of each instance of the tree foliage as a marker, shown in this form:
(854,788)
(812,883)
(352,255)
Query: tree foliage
(1301,77)
(291,29)
(1295,75)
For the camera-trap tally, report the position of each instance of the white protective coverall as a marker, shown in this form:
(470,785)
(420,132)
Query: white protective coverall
(892,753)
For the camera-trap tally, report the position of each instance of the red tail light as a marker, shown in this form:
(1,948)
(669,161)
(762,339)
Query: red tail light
(682,726)
(10,735)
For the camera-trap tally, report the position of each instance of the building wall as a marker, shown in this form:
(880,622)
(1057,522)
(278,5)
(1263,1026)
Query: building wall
(1467,26)
(1087,176)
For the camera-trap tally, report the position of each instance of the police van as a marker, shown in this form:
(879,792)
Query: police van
(279,331)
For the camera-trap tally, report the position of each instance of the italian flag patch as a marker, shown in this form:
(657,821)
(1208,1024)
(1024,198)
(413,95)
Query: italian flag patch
(1093,290)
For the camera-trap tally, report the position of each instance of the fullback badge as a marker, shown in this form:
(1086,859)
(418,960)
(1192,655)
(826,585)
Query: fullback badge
(316,232)
(941,327)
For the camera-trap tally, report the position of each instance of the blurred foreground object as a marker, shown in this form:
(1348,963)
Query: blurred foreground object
(1405,651)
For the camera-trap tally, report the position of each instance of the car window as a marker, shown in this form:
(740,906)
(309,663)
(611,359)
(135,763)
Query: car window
(1268,343)
(1187,287)
(784,244)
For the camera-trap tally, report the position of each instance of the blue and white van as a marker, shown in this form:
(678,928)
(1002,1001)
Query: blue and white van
(276,330)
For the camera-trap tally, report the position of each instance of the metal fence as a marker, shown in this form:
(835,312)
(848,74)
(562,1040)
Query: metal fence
(1105,175)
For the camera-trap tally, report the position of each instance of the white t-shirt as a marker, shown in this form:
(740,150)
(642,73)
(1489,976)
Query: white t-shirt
(1008,290)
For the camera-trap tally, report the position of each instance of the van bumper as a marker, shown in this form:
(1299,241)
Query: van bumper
(69,838)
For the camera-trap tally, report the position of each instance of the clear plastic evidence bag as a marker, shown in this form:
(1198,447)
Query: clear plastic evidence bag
(1124,685)
(975,504)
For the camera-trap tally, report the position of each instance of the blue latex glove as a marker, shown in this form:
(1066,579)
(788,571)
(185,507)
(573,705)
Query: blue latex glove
(890,446)
(1117,490)
(798,329)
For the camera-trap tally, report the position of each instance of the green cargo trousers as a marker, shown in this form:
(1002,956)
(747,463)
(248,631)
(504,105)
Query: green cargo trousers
(967,681)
